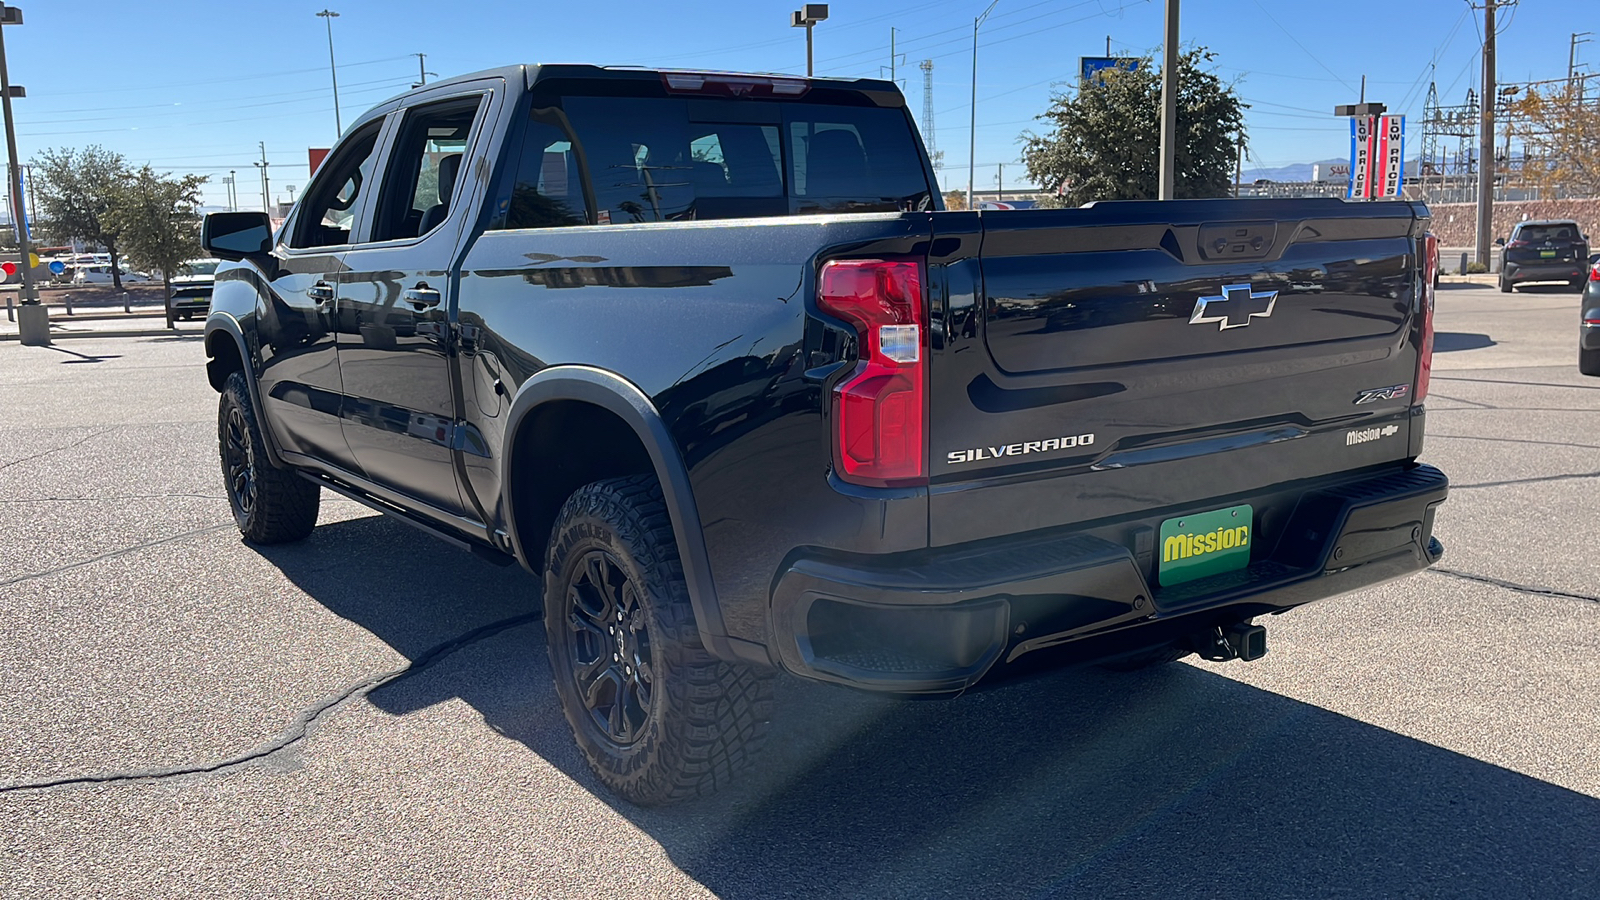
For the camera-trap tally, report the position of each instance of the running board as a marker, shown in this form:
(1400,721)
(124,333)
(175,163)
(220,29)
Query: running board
(487,554)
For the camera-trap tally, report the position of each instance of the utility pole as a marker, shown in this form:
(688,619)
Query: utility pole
(1169,104)
(1581,37)
(999,181)
(328,16)
(266,193)
(1486,139)
(972,128)
(1238,168)
(422,71)
(233,190)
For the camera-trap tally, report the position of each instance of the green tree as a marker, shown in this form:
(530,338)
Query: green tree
(156,218)
(1106,139)
(76,190)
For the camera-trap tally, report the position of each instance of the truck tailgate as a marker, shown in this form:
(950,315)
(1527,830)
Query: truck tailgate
(1128,357)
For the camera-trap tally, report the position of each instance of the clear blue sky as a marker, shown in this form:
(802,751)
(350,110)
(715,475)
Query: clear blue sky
(192,86)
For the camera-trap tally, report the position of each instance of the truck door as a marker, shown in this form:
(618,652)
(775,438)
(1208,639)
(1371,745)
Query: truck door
(300,388)
(396,304)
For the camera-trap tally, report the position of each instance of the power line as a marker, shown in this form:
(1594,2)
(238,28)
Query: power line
(1302,47)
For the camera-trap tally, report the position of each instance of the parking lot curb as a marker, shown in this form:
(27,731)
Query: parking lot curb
(142,332)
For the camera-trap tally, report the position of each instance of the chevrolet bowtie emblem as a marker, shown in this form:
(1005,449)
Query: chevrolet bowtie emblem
(1234,307)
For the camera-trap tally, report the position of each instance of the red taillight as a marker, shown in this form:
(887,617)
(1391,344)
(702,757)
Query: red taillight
(878,411)
(1594,272)
(1517,245)
(1430,271)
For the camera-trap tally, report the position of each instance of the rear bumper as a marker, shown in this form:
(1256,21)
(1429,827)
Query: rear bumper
(1570,270)
(941,621)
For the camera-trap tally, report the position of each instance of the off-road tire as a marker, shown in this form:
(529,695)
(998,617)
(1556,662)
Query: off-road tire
(270,505)
(706,718)
(1589,362)
(1147,659)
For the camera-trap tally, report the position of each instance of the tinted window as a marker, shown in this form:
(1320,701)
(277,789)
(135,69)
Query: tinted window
(1555,231)
(653,160)
(548,192)
(328,210)
(424,168)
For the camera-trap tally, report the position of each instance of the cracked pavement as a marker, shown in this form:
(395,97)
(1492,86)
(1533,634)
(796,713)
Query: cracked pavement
(368,712)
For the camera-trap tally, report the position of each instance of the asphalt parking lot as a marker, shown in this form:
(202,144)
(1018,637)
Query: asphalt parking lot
(368,712)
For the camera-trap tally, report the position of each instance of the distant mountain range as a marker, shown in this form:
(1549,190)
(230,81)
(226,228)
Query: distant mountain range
(1296,172)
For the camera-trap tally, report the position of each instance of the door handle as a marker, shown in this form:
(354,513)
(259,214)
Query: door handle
(321,292)
(422,297)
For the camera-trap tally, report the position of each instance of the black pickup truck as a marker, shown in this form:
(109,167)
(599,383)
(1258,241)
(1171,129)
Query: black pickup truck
(704,353)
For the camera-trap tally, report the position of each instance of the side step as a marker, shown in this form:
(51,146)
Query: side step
(485,553)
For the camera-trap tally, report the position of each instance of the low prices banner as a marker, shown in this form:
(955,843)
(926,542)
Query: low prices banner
(1389,160)
(1361,151)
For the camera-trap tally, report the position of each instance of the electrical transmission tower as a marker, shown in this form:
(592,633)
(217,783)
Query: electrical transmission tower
(927,110)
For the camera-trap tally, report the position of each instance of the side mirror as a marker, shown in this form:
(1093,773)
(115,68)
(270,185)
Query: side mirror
(1499,242)
(237,235)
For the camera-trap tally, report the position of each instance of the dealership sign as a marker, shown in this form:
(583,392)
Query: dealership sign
(1377,156)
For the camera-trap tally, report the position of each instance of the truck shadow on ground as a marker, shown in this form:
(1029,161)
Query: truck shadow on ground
(1451,341)
(1079,783)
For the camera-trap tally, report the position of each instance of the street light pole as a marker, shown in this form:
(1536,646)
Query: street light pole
(328,16)
(1168,182)
(806,17)
(972,127)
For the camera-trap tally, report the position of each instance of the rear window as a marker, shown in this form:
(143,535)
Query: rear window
(1559,231)
(670,159)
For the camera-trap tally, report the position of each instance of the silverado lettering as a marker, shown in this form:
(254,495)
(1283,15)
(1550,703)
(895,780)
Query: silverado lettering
(982,453)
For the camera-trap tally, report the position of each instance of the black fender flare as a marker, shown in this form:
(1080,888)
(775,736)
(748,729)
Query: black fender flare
(623,398)
(227,324)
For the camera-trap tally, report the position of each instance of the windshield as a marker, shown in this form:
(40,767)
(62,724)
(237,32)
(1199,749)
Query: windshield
(201,267)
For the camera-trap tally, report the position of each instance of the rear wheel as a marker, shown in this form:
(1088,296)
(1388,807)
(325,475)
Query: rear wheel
(270,505)
(1576,286)
(658,718)
(1589,362)
(1505,286)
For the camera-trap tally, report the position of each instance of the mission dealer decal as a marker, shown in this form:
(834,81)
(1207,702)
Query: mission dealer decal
(1368,435)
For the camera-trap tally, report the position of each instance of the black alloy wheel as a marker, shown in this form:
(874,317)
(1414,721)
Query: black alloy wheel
(657,717)
(270,505)
(608,645)
(238,462)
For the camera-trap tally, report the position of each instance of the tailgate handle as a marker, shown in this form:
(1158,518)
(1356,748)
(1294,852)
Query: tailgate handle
(1238,240)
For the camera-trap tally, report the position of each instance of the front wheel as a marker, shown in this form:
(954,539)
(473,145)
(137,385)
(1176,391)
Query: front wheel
(657,717)
(270,505)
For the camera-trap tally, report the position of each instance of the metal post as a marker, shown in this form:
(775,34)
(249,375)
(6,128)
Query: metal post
(1486,139)
(33,320)
(328,16)
(14,173)
(266,184)
(972,127)
(422,69)
(1168,182)
(809,70)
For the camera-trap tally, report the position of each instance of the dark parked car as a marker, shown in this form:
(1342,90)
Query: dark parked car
(1589,327)
(703,353)
(191,290)
(1551,250)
